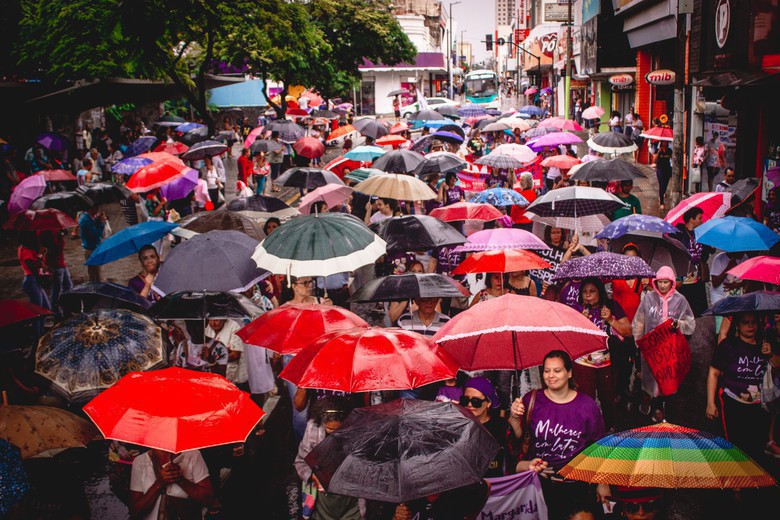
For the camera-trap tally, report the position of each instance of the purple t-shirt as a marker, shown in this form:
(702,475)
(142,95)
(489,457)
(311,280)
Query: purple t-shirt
(561,431)
(743,368)
(452,195)
(497,181)
(594,314)
(449,394)
(570,293)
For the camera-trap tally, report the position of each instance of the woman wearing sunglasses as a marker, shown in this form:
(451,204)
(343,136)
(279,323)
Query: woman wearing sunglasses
(480,398)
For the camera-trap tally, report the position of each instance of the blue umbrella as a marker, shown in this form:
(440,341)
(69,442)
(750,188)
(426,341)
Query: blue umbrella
(757,301)
(643,224)
(188,127)
(433,123)
(500,197)
(472,110)
(532,110)
(732,234)
(365,153)
(141,145)
(13,478)
(448,137)
(130,165)
(129,241)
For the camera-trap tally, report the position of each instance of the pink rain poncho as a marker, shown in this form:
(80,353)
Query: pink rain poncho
(653,310)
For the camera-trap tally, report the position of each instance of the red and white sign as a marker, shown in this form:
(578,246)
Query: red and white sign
(621,79)
(667,354)
(521,13)
(521,35)
(660,77)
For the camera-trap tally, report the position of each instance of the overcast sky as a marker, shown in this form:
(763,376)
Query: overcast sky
(477,18)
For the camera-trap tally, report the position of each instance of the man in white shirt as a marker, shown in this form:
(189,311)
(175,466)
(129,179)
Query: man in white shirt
(722,283)
(728,180)
(426,320)
(224,331)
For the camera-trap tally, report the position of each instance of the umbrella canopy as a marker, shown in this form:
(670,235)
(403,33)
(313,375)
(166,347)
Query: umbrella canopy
(448,136)
(253,136)
(500,197)
(212,261)
(141,145)
(733,234)
(493,335)
(426,115)
(53,141)
(309,147)
(501,261)
(169,120)
(495,126)
(713,204)
(194,136)
(440,162)
(90,352)
(466,211)
(606,171)
(448,111)
(397,92)
(658,133)
(291,327)
(289,132)
(540,131)
(224,220)
(341,131)
(40,220)
(562,162)
(207,148)
(666,455)
(156,174)
(24,193)
(398,161)
(330,194)
(398,128)
(396,186)
(365,153)
(307,178)
(393,441)
(561,124)
(44,431)
(757,301)
(409,286)
(181,187)
(319,245)
(56,175)
(66,201)
(18,311)
(200,410)
(743,189)
(130,165)
(521,152)
(575,201)
(188,127)
(612,143)
(553,140)
(604,265)
(13,478)
(516,123)
(265,146)
(371,128)
(502,238)
(366,359)
(760,268)
(593,112)
(173,148)
(91,296)
(531,110)
(258,206)
(657,251)
(453,128)
(636,223)
(497,159)
(391,140)
(103,192)
(416,233)
(472,110)
(203,305)
(129,241)
(586,224)
(361,174)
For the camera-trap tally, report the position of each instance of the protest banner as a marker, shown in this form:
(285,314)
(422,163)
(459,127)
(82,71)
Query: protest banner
(517,496)
(668,356)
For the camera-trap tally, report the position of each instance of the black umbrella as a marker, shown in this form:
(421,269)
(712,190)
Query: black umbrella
(91,296)
(265,145)
(307,178)
(207,148)
(448,111)
(289,132)
(743,189)
(656,251)
(426,115)
(203,305)
(213,261)
(221,219)
(758,301)
(67,201)
(195,136)
(612,143)
(440,162)
(327,114)
(409,286)
(398,161)
(269,206)
(454,129)
(370,128)
(403,450)
(397,92)
(101,192)
(484,122)
(170,121)
(416,233)
(606,171)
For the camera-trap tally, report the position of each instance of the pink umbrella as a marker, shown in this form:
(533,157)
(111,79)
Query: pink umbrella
(760,268)
(331,194)
(554,139)
(25,193)
(531,91)
(593,112)
(773,175)
(315,100)
(714,205)
(561,124)
(502,238)
(256,133)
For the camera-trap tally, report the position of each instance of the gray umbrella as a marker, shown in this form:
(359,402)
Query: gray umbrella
(416,233)
(606,171)
(612,143)
(398,161)
(370,128)
(265,145)
(656,251)
(409,286)
(397,92)
(307,178)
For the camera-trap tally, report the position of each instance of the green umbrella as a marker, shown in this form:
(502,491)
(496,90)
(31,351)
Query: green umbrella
(319,245)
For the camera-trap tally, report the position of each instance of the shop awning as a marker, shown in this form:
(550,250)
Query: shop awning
(737,78)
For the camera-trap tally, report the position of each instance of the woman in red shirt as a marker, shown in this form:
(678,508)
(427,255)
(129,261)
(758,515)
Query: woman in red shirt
(31,260)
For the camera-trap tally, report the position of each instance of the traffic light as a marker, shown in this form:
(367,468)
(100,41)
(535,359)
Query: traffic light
(489,42)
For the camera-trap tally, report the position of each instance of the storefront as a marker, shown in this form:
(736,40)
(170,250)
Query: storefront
(537,61)
(426,75)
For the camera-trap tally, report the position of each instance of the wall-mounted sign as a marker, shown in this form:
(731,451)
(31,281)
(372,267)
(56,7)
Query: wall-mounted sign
(722,22)
(660,77)
(621,79)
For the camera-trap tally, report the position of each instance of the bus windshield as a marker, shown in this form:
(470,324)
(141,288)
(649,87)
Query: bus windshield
(481,86)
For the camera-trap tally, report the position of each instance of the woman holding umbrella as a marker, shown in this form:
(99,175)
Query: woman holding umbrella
(31,259)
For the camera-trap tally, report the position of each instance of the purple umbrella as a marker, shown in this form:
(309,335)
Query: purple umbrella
(141,145)
(448,137)
(25,193)
(130,165)
(540,131)
(182,186)
(502,238)
(53,141)
(604,265)
(553,139)
(644,224)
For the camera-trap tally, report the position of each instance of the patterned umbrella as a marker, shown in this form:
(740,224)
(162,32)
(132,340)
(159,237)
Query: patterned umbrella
(502,238)
(666,455)
(440,162)
(531,111)
(612,143)
(44,431)
(472,110)
(606,171)
(207,148)
(604,265)
(644,224)
(289,132)
(586,224)
(141,145)
(90,352)
(499,160)
(575,201)
(500,197)
(13,478)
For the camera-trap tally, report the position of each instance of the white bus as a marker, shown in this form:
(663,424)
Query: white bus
(482,88)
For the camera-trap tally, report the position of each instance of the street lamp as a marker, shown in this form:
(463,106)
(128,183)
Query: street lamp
(449,54)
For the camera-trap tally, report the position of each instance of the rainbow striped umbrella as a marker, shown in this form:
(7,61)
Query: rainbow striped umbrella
(666,455)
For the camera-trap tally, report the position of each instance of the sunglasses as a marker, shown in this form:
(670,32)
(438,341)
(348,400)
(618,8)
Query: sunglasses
(633,507)
(476,402)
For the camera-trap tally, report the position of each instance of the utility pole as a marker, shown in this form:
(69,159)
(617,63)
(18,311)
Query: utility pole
(569,52)
(678,141)
(449,54)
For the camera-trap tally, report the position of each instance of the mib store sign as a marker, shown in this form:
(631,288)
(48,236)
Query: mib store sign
(660,77)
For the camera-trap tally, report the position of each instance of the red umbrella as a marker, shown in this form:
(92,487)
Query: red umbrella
(40,220)
(714,205)
(658,133)
(340,131)
(501,261)
(391,140)
(370,359)
(299,112)
(562,162)
(174,410)
(467,211)
(56,175)
(157,174)
(15,311)
(309,147)
(516,332)
(560,123)
(289,328)
(174,148)
(399,128)
(340,163)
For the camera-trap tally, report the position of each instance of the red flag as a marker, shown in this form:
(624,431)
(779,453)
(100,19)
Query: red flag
(668,355)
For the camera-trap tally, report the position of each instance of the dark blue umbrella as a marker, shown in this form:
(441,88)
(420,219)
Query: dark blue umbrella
(734,234)
(188,127)
(532,110)
(472,110)
(758,301)
(130,165)
(604,265)
(643,224)
(129,241)
(102,295)
(13,477)
(207,148)
(448,137)
(500,197)
(141,145)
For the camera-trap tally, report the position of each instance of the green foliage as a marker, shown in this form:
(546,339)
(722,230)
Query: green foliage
(117,112)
